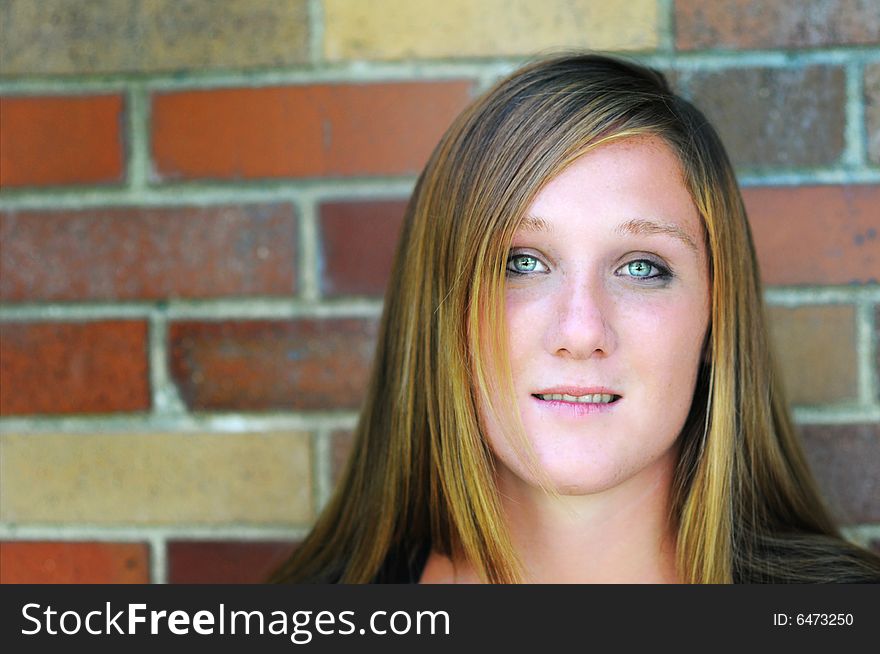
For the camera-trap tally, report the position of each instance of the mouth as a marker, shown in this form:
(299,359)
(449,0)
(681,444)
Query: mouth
(589,398)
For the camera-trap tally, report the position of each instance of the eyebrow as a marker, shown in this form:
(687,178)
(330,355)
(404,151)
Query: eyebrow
(639,226)
(534,224)
(636,227)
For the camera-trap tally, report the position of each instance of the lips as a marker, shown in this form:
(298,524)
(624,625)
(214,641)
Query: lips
(598,398)
(577,402)
(578,392)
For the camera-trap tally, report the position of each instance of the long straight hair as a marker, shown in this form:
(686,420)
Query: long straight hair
(421,474)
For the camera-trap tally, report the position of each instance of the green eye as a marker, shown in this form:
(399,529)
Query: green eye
(646,271)
(523,263)
(640,268)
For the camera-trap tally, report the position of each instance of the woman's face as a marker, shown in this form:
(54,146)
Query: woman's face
(607,297)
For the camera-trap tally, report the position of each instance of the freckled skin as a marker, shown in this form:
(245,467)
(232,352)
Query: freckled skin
(583,316)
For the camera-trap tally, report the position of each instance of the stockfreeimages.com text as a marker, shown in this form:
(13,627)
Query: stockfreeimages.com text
(301,626)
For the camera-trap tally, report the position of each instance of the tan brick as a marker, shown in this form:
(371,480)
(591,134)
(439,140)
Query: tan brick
(872,110)
(401,29)
(742,24)
(155,478)
(58,37)
(815,346)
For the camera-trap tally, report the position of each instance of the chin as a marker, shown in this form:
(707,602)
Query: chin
(588,482)
(593,472)
(575,478)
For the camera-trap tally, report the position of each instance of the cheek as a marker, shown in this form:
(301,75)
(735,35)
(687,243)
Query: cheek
(665,345)
(526,318)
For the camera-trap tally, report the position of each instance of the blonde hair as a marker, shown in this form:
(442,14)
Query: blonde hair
(421,475)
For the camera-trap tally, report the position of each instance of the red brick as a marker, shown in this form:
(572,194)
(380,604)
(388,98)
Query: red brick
(220,562)
(341,443)
(148,253)
(773,117)
(94,367)
(56,140)
(302,131)
(743,24)
(358,240)
(845,460)
(308,364)
(816,235)
(23,562)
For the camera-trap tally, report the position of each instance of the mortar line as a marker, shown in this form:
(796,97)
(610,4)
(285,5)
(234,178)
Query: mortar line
(796,296)
(137,137)
(719,60)
(166,399)
(855,152)
(866,349)
(146,533)
(158,559)
(322,470)
(308,244)
(866,175)
(314,465)
(666,25)
(207,310)
(429,69)
(316,32)
(835,415)
(209,193)
(489,76)
(321,72)
(216,424)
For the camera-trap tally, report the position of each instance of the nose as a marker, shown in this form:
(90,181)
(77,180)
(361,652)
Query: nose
(582,327)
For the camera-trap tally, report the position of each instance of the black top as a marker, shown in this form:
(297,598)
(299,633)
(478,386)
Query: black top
(404,568)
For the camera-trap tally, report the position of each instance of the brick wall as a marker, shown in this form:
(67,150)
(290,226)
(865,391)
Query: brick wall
(200,199)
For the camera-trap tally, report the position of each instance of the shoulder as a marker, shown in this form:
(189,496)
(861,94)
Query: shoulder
(438,570)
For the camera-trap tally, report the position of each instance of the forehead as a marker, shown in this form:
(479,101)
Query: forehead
(633,185)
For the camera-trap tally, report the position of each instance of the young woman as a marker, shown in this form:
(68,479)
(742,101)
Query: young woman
(573,380)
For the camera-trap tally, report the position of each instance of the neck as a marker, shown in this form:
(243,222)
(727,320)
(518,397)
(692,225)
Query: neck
(620,535)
